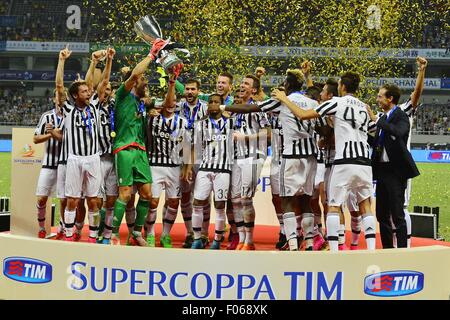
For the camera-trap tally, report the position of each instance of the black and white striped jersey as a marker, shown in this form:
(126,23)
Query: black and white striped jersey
(250,124)
(193,114)
(298,139)
(276,140)
(105,140)
(52,146)
(328,156)
(351,122)
(64,149)
(82,127)
(166,138)
(215,138)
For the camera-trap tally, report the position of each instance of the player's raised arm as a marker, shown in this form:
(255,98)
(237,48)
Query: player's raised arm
(110,52)
(298,112)
(95,58)
(143,65)
(170,96)
(306,69)
(64,54)
(415,96)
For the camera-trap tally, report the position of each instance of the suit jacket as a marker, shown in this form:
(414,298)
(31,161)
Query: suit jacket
(396,132)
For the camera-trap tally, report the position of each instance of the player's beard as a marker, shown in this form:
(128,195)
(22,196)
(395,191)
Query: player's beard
(190,98)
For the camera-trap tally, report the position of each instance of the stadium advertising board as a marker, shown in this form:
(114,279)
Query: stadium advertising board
(38,46)
(26,165)
(279,51)
(44,269)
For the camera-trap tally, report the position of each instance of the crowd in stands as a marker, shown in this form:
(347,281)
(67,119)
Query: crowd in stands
(39,20)
(433,119)
(18,109)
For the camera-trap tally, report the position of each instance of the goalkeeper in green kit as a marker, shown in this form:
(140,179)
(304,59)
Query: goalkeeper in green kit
(128,126)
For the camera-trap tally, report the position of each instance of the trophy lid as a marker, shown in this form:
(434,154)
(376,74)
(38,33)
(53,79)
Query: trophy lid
(148,29)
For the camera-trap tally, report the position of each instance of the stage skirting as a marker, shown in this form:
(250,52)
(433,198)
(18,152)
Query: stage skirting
(41,269)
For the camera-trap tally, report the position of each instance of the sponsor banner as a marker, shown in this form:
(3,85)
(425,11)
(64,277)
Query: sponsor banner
(38,46)
(36,75)
(131,48)
(404,83)
(26,164)
(436,156)
(43,269)
(282,52)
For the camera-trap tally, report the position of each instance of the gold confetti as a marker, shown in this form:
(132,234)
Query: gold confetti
(214,32)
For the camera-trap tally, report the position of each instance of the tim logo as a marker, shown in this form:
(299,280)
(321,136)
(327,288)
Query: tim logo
(439,156)
(393,283)
(27,270)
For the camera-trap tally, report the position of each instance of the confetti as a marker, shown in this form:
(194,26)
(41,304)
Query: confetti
(215,31)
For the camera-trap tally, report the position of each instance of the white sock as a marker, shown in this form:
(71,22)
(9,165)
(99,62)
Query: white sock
(356,229)
(41,216)
(94,222)
(220,224)
(130,218)
(238,218)
(333,230)
(150,222)
(280,220)
(206,219)
(369,225)
(69,219)
(197,221)
(341,231)
(308,228)
(108,223)
(408,227)
(249,220)
(169,219)
(290,227)
(186,211)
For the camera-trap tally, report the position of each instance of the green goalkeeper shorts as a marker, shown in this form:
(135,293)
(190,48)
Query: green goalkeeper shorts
(132,167)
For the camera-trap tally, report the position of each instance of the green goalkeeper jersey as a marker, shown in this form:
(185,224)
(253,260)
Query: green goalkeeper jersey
(129,121)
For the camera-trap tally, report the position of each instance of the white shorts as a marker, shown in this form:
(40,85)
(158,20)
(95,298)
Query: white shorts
(83,175)
(319,178)
(188,186)
(244,177)
(349,177)
(109,177)
(352,202)
(47,182)
(208,181)
(168,179)
(275,177)
(61,181)
(297,176)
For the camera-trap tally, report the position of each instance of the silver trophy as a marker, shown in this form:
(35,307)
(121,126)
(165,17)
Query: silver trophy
(149,30)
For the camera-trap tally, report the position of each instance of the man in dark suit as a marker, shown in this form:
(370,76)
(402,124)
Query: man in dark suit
(392,165)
